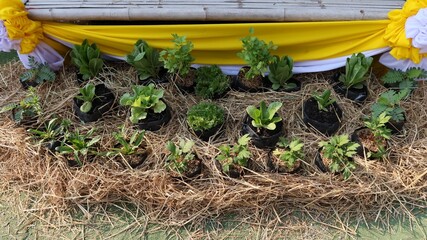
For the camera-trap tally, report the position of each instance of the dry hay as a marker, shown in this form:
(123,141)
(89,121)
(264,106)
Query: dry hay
(396,184)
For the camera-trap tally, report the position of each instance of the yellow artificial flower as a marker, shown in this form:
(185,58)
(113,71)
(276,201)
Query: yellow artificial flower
(395,34)
(18,26)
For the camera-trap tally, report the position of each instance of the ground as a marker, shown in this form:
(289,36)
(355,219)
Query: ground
(18,220)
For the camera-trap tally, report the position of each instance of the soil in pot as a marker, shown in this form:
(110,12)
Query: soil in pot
(296,85)
(133,160)
(274,164)
(326,122)
(357,95)
(248,85)
(235,171)
(194,168)
(367,143)
(262,138)
(155,121)
(103,102)
(162,78)
(186,83)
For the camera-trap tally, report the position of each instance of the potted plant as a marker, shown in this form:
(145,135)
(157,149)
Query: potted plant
(148,110)
(352,83)
(78,148)
(401,80)
(373,137)
(286,157)
(27,110)
(87,58)
(263,124)
(211,83)
(92,102)
(178,61)
(336,155)
(145,60)
(322,112)
(256,53)
(280,75)
(132,150)
(205,119)
(181,160)
(51,135)
(233,160)
(389,102)
(37,74)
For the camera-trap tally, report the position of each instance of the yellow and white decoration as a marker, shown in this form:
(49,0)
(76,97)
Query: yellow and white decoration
(315,46)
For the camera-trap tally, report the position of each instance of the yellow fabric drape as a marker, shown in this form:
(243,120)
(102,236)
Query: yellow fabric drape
(18,26)
(219,43)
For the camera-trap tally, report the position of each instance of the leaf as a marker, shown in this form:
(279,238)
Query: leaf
(187,146)
(159,107)
(244,140)
(86,107)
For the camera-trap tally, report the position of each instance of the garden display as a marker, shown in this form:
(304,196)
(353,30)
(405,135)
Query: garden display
(178,153)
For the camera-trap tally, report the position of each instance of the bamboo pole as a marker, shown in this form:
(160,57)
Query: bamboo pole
(207,14)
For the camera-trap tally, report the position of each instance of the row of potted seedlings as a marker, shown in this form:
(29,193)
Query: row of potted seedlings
(262,126)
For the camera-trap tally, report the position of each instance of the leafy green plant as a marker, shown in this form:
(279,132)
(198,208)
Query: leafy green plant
(256,53)
(237,155)
(339,150)
(38,72)
(87,58)
(389,102)
(380,132)
(356,68)
(54,129)
(289,152)
(142,100)
(128,146)
(405,80)
(265,117)
(145,60)
(87,95)
(324,100)
(79,145)
(281,72)
(204,116)
(210,81)
(178,60)
(27,108)
(180,155)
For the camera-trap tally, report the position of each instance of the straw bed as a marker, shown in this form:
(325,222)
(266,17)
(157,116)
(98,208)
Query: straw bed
(398,182)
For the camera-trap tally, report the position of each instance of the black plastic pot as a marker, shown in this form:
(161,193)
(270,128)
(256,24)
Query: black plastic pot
(326,122)
(237,82)
(51,145)
(163,78)
(273,166)
(27,84)
(104,101)
(264,138)
(396,127)
(268,84)
(205,135)
(26,121)
(79,78)
(155,121)
(190,173)
(319,162)
(357,95)
(234,172)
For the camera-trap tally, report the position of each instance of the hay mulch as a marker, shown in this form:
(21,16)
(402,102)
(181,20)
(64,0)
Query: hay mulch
(394,185)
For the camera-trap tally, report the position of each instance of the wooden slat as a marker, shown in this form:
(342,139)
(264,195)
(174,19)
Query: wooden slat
(211,10)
